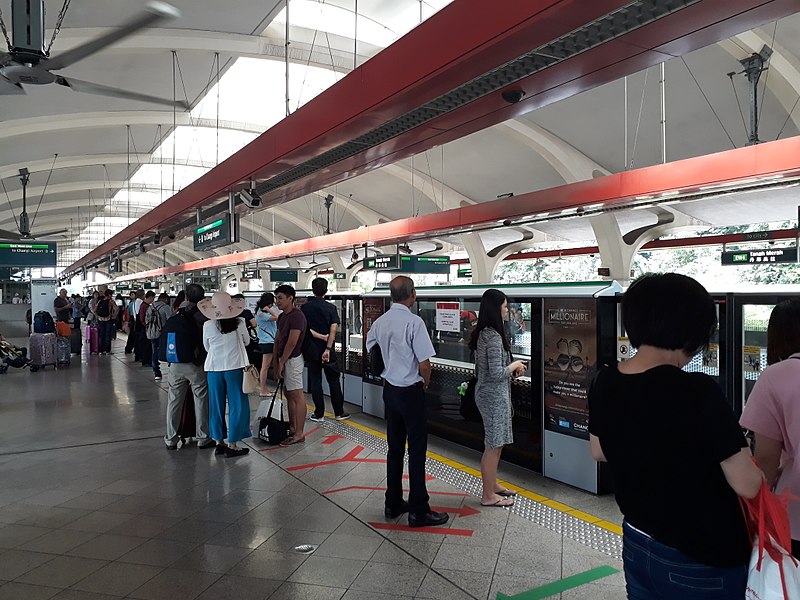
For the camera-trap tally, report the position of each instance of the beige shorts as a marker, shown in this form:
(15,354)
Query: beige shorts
(293,374)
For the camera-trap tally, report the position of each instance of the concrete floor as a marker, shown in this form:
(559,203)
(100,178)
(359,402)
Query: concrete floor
(92,506)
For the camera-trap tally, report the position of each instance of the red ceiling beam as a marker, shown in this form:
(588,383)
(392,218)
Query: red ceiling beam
(774,160)
(465,40)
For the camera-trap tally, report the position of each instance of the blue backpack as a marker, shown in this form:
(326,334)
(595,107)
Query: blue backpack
(180,341)
(43,322)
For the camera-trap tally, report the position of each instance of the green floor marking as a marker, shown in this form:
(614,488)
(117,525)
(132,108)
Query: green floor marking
(562,585)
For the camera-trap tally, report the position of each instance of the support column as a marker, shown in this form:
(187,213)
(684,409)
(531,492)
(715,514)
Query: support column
(483,266)
(336,262)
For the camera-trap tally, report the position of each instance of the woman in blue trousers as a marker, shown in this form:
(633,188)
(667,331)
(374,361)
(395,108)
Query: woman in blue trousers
(225,338)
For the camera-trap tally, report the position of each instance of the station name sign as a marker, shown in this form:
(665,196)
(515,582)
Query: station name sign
(760,257)
(283,275)
(216,234)
(409,264)
(248,274)
(27,254)
(381,262)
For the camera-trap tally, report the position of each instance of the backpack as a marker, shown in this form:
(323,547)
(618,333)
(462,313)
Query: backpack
(43,322)
(102,309)
(180,341)
(154,322)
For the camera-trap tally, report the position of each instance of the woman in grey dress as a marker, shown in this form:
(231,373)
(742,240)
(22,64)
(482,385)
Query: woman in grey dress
(494,369)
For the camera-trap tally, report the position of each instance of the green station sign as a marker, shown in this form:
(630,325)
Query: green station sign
(382,262)
(283,275)
(212,235)
(27,254)
(465,273)
(425,264)
(248,274)
(760,257)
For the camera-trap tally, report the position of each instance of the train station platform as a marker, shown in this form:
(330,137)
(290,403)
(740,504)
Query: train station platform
(93,507)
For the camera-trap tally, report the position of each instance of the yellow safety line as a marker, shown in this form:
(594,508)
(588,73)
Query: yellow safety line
(559,506)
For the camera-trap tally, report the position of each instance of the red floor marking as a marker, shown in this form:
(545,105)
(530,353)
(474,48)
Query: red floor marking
(329,439)
(462,511)
(349,457)
(428,477)
(381,489)
(440,530)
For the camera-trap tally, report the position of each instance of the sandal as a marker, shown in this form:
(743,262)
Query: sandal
(292,440)
(502,503)
(506,493)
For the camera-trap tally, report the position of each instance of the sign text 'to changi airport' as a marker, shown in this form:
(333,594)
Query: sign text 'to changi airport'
(760,257)
(214,234)
(27,254)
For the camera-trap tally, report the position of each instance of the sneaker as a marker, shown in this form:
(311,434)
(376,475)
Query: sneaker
(317,419)
(157,378)
(343,417)
(207,443)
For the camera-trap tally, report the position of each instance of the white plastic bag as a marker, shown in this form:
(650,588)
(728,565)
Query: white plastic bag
(263,411)
(775,580)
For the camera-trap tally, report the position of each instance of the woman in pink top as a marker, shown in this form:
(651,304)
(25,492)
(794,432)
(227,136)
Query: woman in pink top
(773,409)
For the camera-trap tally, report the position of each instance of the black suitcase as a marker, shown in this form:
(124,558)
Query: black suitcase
(188,425)
(76,341)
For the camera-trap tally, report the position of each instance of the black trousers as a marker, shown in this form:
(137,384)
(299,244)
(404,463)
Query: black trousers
(129,345)
(333,375)
(406,420)
(796,548)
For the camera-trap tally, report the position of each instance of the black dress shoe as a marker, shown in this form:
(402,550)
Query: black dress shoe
(393,513)
(428,519)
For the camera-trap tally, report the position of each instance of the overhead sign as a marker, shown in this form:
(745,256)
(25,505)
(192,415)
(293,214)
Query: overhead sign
(340,275)
(425,264)
(466,273)
(760,257)
(283,275)
(251,274)
(115,266)
(381,262)
(27,254)
(151,285)
(121,287)
(216,234)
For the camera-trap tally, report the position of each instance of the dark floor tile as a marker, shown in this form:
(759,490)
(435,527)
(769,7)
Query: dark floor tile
(107,546)
(124,486)
(267,564)
(302,591)
(158,553)
(212,559)
(14,563)
(73,594)
(92,501)
(54,497)
(99,522)
(134,505)
(339,545)
(58,541)
(400,579)
(328,571)
(62,571)
(144,526)
(230,587)
(119,579)
(25,591)
(243,536)
(51,516)
(175,584)
(192,530)
(12,536)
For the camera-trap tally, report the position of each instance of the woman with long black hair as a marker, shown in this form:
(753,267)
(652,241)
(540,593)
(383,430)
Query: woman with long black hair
(494,368)
(225,338)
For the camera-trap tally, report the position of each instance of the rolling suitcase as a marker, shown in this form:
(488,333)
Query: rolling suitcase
(188,425)
(93,339)
(63,351)
(76,341)
(44,350)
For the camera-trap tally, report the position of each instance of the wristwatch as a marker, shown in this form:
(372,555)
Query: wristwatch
(328,348)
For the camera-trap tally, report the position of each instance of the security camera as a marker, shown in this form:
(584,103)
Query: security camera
(513,96)
(157,238)
(250,198)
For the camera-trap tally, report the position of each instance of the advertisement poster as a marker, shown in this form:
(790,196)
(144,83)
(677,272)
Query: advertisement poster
(373,308)
(448,316)
(570,361)
(751,357)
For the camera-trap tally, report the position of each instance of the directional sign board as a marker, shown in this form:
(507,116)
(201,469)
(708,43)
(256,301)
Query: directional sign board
(251,274)
(340,275)
(425,264)
(381,262)
(464,273)
(760,257)
(215,234)
(27,254)
(283,275)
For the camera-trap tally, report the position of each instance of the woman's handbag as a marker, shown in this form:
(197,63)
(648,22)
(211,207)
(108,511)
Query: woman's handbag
(250,380)
(272,429)
(469,410)
(774,574)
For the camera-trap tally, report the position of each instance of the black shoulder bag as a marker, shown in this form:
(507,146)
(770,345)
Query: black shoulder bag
(270,429)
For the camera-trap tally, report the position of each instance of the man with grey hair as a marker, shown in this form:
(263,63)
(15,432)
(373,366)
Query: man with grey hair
(407,349)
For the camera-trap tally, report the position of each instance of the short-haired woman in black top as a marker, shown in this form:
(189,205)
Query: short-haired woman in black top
(677,454)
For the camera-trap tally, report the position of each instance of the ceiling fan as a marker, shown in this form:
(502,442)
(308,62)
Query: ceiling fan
(28,62)
(24,223)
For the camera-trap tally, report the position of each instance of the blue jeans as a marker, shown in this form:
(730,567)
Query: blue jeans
(155,364)
(222,384)
(655,571)
(104,332)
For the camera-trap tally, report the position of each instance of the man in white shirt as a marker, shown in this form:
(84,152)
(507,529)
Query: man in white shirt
(407,350)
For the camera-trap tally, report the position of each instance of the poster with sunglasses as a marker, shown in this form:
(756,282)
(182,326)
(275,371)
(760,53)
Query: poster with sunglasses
(570,359)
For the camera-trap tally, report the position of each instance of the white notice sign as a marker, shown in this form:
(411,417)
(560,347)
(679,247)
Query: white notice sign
(448,316)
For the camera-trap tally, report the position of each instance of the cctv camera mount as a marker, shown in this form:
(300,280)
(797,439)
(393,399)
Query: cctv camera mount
(250,198)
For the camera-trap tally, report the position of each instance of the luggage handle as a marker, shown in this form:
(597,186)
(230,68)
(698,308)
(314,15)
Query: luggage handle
(274,397)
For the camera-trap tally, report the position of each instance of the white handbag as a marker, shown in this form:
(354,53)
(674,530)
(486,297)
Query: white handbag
(250,380)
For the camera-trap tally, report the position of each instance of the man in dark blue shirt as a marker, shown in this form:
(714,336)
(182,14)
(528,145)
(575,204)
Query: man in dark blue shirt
(319,350)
